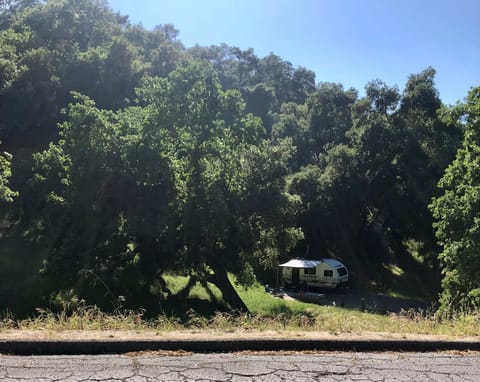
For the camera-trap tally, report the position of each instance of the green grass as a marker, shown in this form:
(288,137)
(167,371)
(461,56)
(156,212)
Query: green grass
(176,283)
(260,302)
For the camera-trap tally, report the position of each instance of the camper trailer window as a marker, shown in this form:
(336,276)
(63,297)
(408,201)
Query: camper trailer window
(328,273)
(310,271)
(342,271)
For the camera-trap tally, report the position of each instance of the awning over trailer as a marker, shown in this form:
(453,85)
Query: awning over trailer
(300,263)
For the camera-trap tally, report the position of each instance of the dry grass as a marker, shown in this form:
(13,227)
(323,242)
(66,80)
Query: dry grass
(333,320)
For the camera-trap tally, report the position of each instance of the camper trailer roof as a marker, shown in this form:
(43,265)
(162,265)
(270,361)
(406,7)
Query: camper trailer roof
(333,263)
(301,263)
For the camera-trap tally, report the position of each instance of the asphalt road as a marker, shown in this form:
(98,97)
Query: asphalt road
(245,367)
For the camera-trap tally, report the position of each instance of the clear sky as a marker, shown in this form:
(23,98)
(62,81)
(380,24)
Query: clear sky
(346,41)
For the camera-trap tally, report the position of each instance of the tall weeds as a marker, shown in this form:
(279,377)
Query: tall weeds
(326,319)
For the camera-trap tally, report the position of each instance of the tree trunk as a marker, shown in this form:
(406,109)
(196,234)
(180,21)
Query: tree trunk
(230,295)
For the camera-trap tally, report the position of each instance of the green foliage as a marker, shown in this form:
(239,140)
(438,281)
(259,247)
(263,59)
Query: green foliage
(6,194)
(106,200)
(457,217)
(51,48)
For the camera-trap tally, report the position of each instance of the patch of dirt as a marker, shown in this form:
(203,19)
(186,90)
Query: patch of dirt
(159,353)
(359,300)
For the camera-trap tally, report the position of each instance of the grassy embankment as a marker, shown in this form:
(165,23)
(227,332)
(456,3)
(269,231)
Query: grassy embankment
(21,286)
(266,313)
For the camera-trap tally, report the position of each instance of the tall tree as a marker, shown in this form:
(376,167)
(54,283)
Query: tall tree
(219,160)
(457,214)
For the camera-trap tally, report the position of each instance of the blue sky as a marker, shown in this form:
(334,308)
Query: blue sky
(346,41)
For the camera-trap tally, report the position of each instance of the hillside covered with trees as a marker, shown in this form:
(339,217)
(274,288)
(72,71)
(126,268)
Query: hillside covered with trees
(127,156)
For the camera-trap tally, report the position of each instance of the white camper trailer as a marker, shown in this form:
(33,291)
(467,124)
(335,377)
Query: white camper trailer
(324,273)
